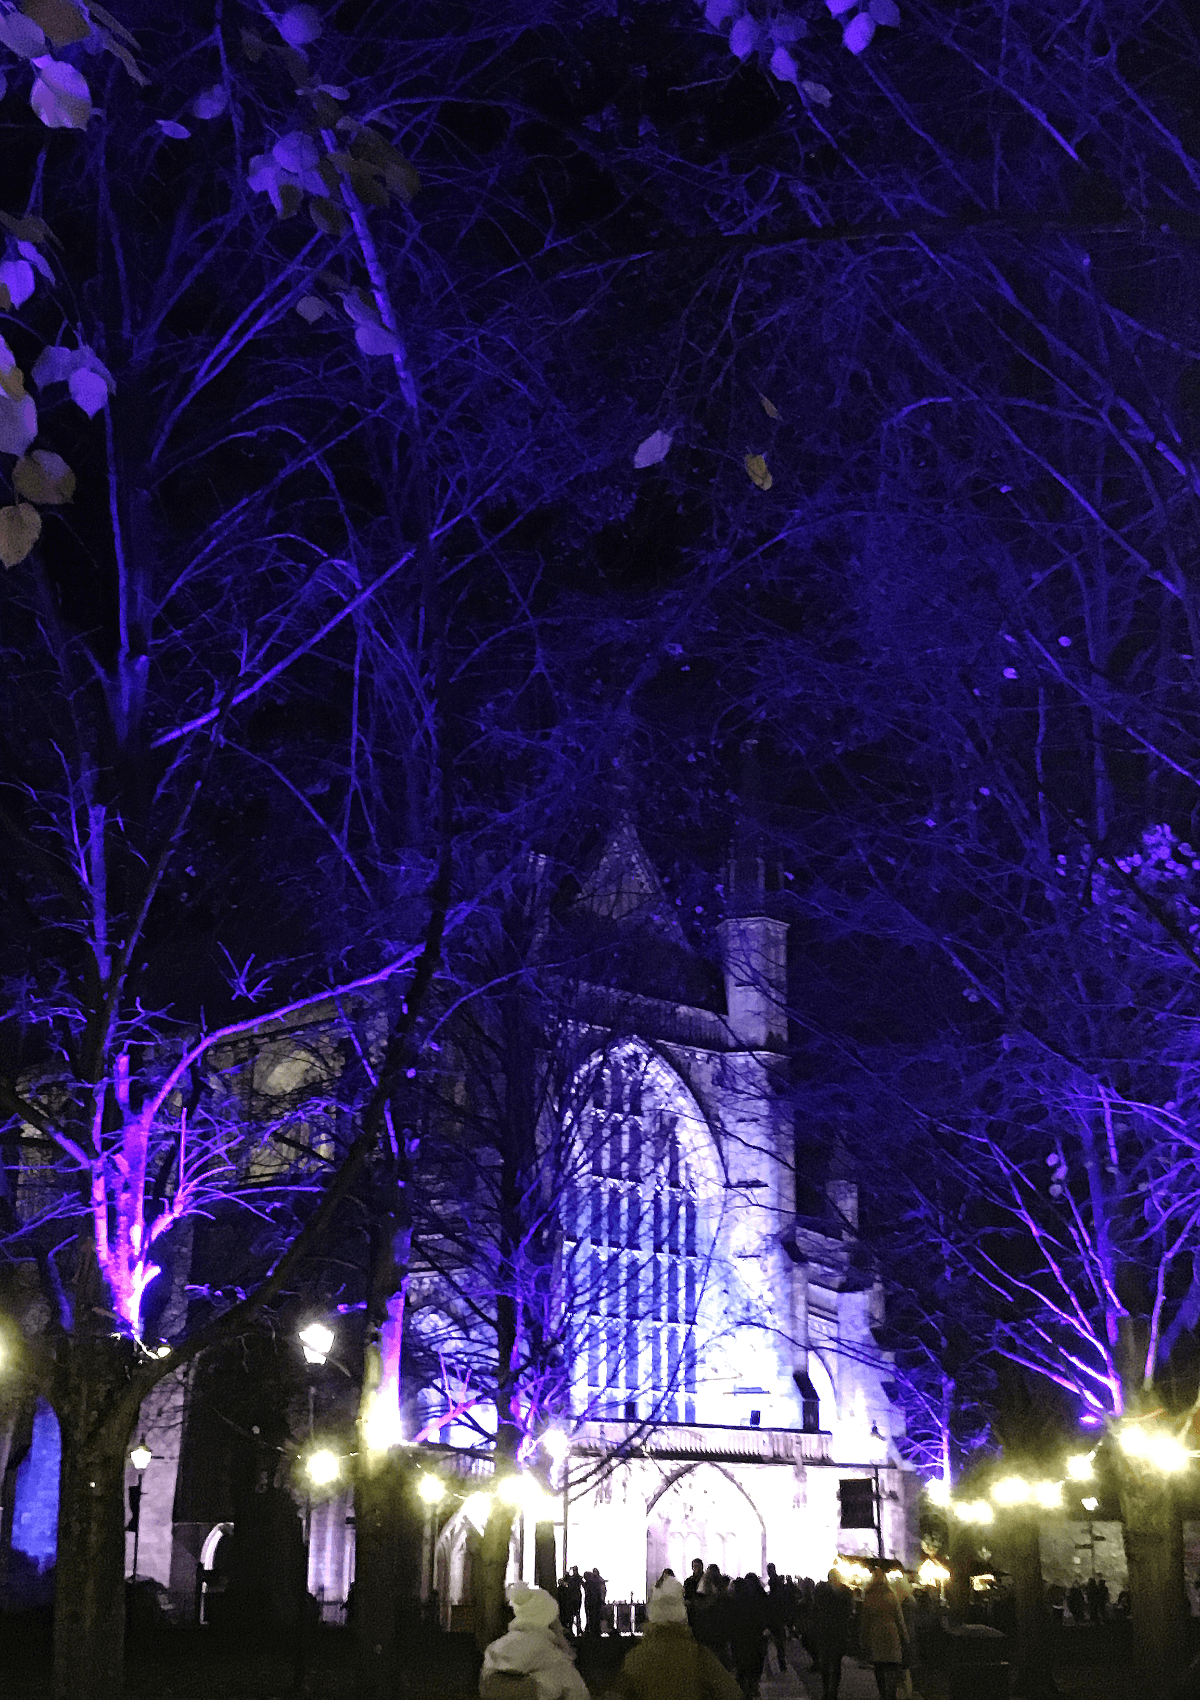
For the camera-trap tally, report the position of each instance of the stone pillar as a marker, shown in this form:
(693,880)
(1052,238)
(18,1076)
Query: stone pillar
(754,956)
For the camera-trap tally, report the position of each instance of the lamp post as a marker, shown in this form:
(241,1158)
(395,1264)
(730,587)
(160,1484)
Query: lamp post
(140,1458)
(321,1469)
(432,1491)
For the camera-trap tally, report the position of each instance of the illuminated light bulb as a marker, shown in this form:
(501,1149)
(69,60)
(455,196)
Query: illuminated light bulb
(1167,1454)
(974,1511)
(141,1457)
(931,1574)
(1163,1452)
(937,1491)
(1011,1490)
(383,1426)
(1048,1495)
(432,1490)
(323,1467)
(317,1341)
(511,1491)
(1080,1467)
(1090,1504)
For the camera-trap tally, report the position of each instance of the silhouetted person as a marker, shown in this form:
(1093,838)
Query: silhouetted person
(831,1626)
(748,1632)
(570,1600)
(594,1591)
(778,1614)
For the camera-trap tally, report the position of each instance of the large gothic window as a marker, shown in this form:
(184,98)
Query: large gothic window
(636,1244)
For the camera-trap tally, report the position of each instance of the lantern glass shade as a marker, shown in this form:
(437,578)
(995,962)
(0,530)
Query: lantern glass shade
(140,1456)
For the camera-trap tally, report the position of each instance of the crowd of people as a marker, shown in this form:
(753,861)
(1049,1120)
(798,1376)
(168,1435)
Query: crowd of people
(708,1637)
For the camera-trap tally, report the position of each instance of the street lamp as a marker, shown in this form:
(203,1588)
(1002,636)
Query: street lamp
(322,1467)
(317,1341)
(431,1490)
(140,1458)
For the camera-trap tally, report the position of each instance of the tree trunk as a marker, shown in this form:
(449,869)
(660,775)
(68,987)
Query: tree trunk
(490,1616)
(386,1579)
(963,1545)
(1154,1549)
(1035,1650)
(96,1422)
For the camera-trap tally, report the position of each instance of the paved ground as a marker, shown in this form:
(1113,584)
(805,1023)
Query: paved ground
(803,1683)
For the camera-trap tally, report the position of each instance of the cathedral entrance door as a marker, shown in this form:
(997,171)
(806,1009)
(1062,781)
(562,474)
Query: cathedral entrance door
(703,1513)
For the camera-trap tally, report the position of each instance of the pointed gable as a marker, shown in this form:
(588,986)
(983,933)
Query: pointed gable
(623,885)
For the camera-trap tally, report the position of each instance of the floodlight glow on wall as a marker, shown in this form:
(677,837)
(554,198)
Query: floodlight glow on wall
(557,1445)
(476,1509)
(383,1426)
(317,1341)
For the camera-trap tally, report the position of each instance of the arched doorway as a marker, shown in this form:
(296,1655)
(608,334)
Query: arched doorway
(702,1512)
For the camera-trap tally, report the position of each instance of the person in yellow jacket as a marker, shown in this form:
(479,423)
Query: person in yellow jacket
(669,1663)
(882,1638)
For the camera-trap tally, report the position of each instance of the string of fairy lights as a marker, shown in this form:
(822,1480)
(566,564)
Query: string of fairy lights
(1144,1443)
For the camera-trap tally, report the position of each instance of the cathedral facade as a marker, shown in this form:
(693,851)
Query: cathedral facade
(729,1399)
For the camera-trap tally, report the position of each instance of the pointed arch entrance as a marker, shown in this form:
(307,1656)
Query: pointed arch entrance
(703,1511)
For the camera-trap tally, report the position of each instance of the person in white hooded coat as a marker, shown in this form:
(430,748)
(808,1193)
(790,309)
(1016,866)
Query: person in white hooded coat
(532,1659)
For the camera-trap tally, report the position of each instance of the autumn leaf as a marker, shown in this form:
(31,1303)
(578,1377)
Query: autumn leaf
(373,339)
(21,35)
(18,423)
(299,25)
(653,448)
(43,477)
(759,471)
(62,21)
(27,229)
(60,95)
(210,103)
(768,406)
(20,528)
(16,283)
(327,216)
(88,390)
